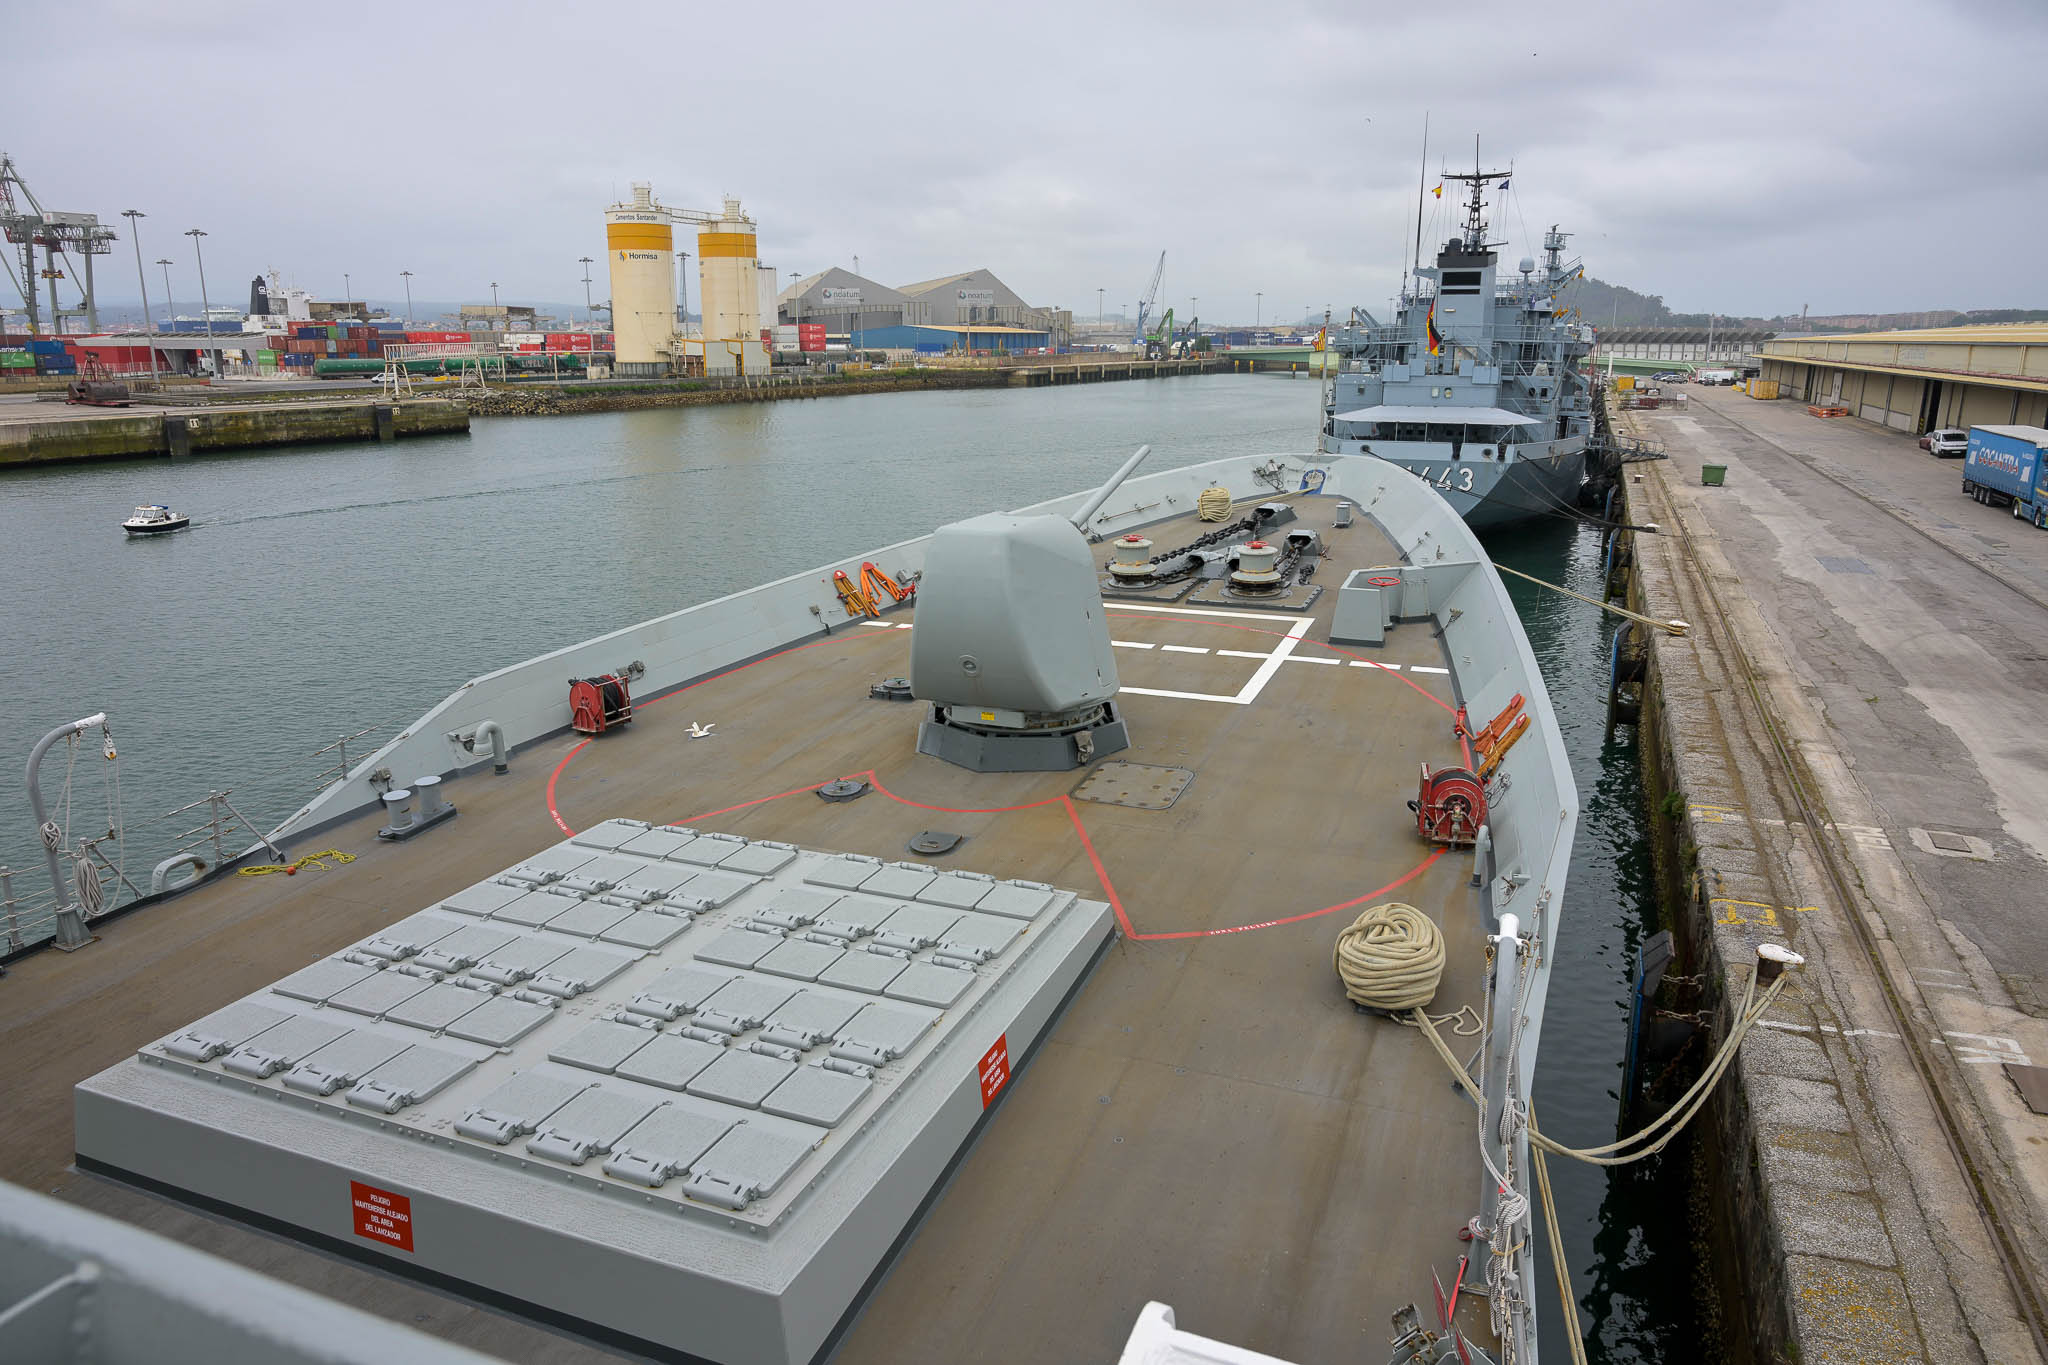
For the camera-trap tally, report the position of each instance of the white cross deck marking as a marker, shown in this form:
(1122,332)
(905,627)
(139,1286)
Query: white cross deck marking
(1183,649)
(1297,627)
(1134,644)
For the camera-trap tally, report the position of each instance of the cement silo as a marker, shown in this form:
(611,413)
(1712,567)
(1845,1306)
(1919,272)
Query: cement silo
(640,243)
(728,265)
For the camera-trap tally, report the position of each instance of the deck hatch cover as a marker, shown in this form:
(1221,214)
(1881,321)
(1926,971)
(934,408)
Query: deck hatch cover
(990,932)
(610,834)
(844,872)
(342,1062)
(760,860)
(409,936)
(719,888)
(607,868)
(222,1031)
(960,890)
(483,898)
(500,1021)
(519,1106)
(580,970)
(418,1073)
(928,983)
(761,1154)
(519,959)
(738,948)
(533,909)
(794,905)
(662,877)
(274,1049)
(600,1046)
(657,843)
(867,972)
(668,1061)
(799,960)
(465,947)
(892,1028)
(815,1012)
(378,994)
(898,880)
(742,1078)
(748,1000)
(1018,900)
(858,914)
(588,920)
(706,849)
(563,858)
(436,1007)
(681,989)
(663,1144)
(923,924)
(319,982)
(588,1125)
(646,930)
(815,1095)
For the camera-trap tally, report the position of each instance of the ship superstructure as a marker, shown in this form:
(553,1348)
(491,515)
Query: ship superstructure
(1474,385)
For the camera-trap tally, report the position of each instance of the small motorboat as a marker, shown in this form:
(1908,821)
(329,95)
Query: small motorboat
(155,520)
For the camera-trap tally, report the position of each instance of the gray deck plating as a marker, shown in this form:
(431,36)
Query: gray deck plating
(708,1143)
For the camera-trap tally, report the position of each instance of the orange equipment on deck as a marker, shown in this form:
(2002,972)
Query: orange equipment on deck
(597,704)
(1449,806)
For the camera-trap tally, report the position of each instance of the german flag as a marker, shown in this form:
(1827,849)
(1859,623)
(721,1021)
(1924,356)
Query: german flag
(1436,338)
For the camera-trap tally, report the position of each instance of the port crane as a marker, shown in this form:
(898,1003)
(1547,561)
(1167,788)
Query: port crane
(58,234)
(1151,297)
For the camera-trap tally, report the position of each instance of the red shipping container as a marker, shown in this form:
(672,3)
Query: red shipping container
(810,329)
(580,342)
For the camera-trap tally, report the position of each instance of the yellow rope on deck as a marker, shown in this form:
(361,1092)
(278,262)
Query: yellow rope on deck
(289,869)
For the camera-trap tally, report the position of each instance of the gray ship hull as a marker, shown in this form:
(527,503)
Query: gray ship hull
(1494,493)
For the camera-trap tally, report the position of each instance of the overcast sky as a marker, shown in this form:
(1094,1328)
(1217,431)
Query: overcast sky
(1749,158)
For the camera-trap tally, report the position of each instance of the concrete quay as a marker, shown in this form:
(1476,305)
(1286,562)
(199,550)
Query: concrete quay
(42,432)
(1844,751)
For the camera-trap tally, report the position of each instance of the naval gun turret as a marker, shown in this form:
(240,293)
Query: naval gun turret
(1012,644)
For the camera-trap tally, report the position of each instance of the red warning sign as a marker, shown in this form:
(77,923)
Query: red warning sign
(995,1070)
(381,1215)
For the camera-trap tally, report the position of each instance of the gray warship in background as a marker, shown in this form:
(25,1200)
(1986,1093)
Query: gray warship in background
(1474,386)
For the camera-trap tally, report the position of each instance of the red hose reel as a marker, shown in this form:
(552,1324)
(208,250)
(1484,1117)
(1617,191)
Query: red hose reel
(597,704)
(1449,805)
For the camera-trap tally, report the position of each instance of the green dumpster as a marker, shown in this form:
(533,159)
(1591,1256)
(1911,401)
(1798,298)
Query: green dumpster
(1713,475)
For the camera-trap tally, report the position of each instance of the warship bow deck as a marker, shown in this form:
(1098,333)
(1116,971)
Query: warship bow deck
(1209,1122)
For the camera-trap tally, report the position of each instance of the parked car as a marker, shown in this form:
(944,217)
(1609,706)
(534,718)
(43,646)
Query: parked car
(1947,443)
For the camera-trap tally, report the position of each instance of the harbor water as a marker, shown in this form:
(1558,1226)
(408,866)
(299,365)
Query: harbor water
(326,591)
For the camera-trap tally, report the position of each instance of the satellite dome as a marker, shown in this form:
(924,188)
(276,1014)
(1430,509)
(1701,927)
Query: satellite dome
(1528,264)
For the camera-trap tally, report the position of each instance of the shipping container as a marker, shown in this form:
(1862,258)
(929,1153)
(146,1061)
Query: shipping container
(1763,388)
(2001,464)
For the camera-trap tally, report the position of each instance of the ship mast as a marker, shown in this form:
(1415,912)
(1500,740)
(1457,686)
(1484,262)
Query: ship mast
(1475,203)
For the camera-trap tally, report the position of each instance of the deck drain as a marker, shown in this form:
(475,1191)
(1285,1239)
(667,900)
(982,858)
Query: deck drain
(932,842)
(891,689)
(1141,786)
(845,789)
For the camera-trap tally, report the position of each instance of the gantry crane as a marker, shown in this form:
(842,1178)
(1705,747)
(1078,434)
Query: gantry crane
(1145,303)
(27,225)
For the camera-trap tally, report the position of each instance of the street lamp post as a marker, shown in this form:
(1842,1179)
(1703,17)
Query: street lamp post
(494,293)
(589,313)
(135,217)
(1098,306)
(205,304)
(347,289)
(170,305)
(1258,309)
(407,276)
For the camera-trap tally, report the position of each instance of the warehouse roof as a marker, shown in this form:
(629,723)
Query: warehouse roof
(1976,334)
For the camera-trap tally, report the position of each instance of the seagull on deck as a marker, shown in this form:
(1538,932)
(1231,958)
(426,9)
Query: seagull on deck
(701,731)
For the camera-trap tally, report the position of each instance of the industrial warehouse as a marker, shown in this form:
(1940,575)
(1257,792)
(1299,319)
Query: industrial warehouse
(1983,375)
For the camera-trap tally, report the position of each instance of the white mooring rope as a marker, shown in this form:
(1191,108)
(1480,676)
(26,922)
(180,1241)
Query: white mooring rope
(1391,958)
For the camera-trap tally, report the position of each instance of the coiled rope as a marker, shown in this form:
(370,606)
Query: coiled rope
(1391,958)
(291,869)
(1213,504)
